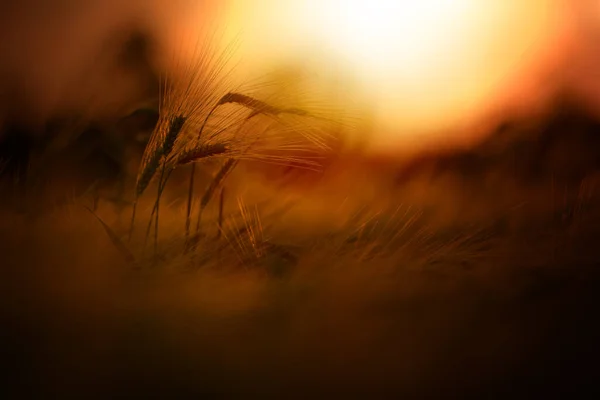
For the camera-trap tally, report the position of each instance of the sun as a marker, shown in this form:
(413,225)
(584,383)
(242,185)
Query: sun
(381,34)
(419,68)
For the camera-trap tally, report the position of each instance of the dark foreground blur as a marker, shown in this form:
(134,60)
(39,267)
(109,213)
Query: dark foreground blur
(483,285)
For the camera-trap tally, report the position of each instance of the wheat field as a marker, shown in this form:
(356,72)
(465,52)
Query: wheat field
(243,247)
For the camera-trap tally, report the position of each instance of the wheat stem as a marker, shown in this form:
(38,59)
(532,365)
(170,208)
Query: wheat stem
(221,201)
(192,177)
(214,185)
(189,204)
(132,219)
(161,185)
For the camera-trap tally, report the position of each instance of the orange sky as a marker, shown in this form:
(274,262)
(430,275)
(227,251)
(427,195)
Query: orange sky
(442,70)
(419,69)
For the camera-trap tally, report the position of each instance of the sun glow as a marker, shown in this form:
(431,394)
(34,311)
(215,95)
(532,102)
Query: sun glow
(421,66)
(383,34)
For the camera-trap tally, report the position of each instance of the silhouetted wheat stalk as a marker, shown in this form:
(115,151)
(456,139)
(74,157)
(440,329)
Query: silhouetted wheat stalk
(257,107)
(190,131)
(160,151)
(182,100)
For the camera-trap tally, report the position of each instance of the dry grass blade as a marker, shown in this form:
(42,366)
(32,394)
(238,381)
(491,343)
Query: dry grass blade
(116,241)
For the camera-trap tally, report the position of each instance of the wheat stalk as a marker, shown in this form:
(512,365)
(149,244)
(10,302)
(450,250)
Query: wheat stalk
(148,169)
(200,153)
(182,99)
(257,107)
(194,99)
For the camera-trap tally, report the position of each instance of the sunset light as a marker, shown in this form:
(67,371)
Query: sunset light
(422,66)
(299,198)
(384,34)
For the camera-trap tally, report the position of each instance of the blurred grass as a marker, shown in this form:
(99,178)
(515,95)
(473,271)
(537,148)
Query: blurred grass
(460,285)
(388,300)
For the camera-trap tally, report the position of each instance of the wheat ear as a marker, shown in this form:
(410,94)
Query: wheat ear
(257,107)
(175,127)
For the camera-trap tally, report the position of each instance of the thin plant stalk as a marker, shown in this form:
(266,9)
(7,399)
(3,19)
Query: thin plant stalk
(214,185)
(258,107)
(188,217)
(131,225)
(161,186)
(219,177)
(162,152)
(189,203)
(247,101)
(221,200)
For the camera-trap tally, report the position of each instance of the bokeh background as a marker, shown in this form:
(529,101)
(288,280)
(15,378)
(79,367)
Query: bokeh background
(433,73)
(448,245)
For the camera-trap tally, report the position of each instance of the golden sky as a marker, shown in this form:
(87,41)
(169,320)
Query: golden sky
(417,70)
(423,67)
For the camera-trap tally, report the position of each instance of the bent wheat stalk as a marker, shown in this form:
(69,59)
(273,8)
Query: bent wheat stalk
(258,107)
